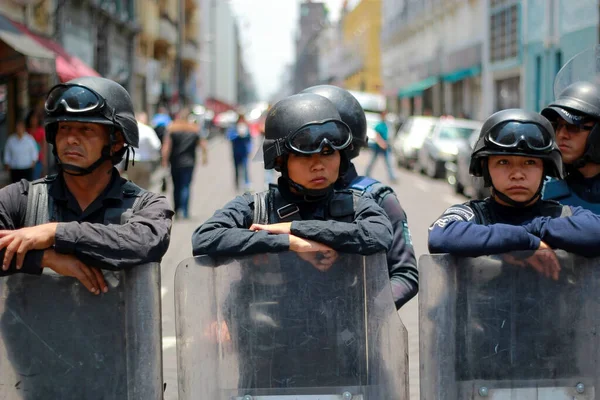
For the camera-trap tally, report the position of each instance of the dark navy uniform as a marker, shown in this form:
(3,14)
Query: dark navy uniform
(104,235)
(401,261)
(343,221)
(481,227)
(575,190)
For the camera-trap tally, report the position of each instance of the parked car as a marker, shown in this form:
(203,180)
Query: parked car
(457,173)
(442,144)
(409,139)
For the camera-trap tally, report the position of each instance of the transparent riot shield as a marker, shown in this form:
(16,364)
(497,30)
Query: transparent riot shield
(59,341)
(585,67)
(506,327)
(279,326)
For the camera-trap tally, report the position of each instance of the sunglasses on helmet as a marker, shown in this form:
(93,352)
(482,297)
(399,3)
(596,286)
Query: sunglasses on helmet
(314,137)
(514,134)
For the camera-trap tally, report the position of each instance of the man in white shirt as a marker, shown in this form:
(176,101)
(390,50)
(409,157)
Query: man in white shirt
(147,155)
(20,154)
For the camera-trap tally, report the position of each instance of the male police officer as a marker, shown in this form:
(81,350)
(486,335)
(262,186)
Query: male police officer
(87,217)
(402,265)
(575,115)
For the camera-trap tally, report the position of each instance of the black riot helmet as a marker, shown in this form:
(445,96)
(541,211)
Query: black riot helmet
(304,124)
(579,103)
(516,132)
(351,112)
(94,100)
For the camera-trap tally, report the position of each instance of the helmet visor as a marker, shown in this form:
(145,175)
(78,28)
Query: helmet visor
(313,138)
(72,99)
(514,134)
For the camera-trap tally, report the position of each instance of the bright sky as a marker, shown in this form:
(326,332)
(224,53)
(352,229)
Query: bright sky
(267,30)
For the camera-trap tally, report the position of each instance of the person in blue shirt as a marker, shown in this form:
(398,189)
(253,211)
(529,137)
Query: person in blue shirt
(575,115)
(514,152)
(401,261)
(382,148)
(241,144)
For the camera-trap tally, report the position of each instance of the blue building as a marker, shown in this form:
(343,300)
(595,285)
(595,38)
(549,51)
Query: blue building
(555,31)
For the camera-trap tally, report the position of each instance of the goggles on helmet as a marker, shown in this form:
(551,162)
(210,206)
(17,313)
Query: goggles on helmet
(74,99)
(314,137)
(515,134)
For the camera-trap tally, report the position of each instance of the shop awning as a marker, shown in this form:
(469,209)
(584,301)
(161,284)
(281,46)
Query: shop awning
(67,66)
(461,74)
(19,51)
(417,88)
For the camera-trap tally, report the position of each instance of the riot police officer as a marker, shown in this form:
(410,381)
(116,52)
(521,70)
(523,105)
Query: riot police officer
(306,140)
(402,265)
(514,152)
(575,115)
(86,217)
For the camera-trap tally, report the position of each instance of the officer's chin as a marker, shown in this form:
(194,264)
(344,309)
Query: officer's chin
(318,185)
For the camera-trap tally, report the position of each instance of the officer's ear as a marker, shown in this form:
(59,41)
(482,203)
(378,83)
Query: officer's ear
(118,142)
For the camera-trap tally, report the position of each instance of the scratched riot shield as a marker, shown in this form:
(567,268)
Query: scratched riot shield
(282,326)
(585,67)
(513,326)
(59,341)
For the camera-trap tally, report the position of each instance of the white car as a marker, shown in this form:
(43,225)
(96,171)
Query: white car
(410,138)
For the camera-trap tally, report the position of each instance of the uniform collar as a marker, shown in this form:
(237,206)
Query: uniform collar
(348,177)
(60,192)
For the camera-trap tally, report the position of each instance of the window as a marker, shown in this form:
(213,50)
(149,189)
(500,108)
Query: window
(558,61)
(508,93)
(504,30)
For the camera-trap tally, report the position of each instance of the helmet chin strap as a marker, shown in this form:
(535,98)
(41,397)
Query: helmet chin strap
(310,194)
(514,203)
(75,170)
(590,150)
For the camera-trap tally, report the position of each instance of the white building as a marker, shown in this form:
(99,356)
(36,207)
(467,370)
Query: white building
(432,56)
(219,55)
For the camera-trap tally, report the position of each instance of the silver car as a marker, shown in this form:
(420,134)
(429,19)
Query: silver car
(409,139)
(443,143)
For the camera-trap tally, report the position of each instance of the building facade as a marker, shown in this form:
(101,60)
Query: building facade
(554,32)
(432,60)
(218,54)
(362,32)
(313,19)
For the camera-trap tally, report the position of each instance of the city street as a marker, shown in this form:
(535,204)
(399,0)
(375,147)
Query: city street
(423,199)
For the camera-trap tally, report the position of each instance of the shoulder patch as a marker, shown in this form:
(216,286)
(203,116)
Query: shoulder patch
(459,213)
(464,211)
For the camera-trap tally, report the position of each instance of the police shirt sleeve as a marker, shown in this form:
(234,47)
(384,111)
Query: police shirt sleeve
(457,233)
(579,233)
(226,233)
(402,264)
(370,233)
(13,207)
(142,239)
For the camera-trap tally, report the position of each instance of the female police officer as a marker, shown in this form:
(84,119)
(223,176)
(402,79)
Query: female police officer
(515,150)
(402,265)
(306,140)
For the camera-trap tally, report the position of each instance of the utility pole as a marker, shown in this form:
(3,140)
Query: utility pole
(179,57)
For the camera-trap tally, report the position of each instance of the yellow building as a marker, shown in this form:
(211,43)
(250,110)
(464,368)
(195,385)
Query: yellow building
(156,49)
(362,29)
